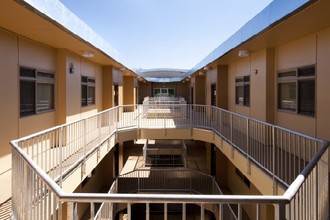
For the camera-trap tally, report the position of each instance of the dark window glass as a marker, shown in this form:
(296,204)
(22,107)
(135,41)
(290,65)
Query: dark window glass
(36,91)
(45,97)
(287,96)
(239,95)
(87,91)
(242,91)
(306,101)
(27,72)
(287,74)
(247,94)
(45,75)
(27,98)
(84,95)
(91,95)
(297,93)
(306,71)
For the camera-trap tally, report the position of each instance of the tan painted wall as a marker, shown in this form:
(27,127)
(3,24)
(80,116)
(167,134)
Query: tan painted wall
(222,86)
(107,92)
(231,87)
(18,51)
(83,67)
(258,85)
(200,90)
(260,66)
(322,85)
(183,90)
(9,90)
(211,78)
(128,90)
(144,90)
(35,55)
(295,54)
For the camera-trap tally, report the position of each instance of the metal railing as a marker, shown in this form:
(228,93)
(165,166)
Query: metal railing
(297,161)
(168,155)
(177,180)
(166,181)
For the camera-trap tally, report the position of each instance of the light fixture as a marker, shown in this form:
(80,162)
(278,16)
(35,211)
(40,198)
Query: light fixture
(243,53)
(87,53)
(207,68)
(122,69)
(71,68)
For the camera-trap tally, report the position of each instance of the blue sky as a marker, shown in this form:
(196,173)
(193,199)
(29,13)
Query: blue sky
(165,33)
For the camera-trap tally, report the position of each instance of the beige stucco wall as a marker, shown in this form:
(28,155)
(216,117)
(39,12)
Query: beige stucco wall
(18,51)
(199,89)
(107,92)
(34,55)
(222,86)
(128,90)
(144,90)
(83,67)
(322,82)
(301,52)
(9,90)
(211,78)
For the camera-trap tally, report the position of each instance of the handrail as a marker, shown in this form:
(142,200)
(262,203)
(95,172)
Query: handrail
(281,200)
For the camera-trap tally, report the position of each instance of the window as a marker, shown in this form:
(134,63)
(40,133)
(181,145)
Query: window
(87,91)
(170,92)
(36,91)
(242,91)
(296,90)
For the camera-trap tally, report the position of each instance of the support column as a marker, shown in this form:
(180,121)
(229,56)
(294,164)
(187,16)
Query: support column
(121,157)
(208,157)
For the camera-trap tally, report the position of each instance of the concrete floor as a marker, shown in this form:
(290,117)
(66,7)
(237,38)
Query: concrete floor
(196,156)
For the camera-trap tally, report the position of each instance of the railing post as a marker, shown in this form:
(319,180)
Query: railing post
(239,212)
(220,211)
(111,211)
(75,209)
(274,158)
(280,211)
(129,211)
(248,145)
(60,156)
(92,210)
(184,214)
(100,125)
(231,128)
(147,211)
(202,212)
(165,211)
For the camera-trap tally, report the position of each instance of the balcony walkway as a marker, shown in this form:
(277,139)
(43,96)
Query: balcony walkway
(267,146)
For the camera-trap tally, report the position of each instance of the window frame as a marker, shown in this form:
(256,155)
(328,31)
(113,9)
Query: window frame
(293,76)
(39,77)
(243,82)
(88,82)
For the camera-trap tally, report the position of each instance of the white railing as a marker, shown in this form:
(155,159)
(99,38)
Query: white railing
(296,161)
(165,155)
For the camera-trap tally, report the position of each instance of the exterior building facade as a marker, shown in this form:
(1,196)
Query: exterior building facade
(51,74)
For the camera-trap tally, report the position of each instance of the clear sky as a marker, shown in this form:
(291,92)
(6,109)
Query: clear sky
(165,33)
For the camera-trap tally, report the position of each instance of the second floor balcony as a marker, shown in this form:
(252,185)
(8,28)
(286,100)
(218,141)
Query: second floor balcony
(45,164)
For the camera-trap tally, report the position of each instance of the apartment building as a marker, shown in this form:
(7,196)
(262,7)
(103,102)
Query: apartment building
(250,121)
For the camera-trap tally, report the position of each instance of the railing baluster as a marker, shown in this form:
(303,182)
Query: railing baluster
(165,211)
(239,211)
(129,211)
(202,211)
